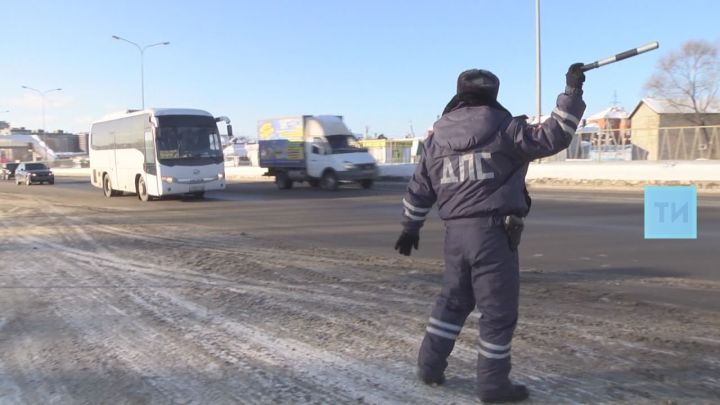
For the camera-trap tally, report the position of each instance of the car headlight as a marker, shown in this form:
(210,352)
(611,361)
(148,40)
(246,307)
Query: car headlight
(349,165)
(33,174)
(168,179)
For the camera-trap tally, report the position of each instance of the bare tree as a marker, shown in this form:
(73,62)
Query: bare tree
(689,80)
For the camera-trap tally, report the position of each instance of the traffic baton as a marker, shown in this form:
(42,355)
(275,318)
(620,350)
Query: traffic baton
(622,55)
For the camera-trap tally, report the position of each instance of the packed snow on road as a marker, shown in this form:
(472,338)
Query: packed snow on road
(96,310)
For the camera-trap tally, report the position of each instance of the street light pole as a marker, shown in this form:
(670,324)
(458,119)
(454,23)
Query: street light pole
(142,62)
(538,77)
(42,100)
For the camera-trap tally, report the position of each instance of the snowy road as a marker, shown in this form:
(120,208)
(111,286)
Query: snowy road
(100,309)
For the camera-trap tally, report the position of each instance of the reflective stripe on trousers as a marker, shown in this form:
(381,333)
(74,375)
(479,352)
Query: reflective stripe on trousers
(480,271)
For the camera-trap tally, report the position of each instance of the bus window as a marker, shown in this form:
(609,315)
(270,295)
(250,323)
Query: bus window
(149,147)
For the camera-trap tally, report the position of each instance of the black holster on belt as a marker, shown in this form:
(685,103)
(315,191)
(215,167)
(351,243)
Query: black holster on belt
(514,226)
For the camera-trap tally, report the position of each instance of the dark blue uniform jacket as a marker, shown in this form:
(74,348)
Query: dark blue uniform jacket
(474,165)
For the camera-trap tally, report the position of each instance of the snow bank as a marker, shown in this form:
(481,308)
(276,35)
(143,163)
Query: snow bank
(402,170)
(628,171)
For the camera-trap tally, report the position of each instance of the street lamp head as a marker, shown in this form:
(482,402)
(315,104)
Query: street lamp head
(142,69)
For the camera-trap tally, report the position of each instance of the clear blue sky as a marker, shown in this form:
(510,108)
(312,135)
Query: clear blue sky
(384,64)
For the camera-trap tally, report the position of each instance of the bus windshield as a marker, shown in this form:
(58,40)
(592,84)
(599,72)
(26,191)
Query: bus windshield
(188,139)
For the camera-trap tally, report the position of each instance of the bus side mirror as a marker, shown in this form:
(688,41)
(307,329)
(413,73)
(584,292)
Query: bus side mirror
(226,120)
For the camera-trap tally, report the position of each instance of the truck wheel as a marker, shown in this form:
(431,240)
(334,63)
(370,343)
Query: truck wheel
(315,183)
(282,181)
(366,183)
(142,190)
(329,181)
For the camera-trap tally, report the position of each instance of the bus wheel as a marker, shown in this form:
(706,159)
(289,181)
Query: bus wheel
(142,190)
(107,187)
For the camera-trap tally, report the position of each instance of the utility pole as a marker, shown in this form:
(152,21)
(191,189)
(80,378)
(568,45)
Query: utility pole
(538,78)
(142,63)
(42,100)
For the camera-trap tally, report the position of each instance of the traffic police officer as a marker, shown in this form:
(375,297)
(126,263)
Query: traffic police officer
(474,168)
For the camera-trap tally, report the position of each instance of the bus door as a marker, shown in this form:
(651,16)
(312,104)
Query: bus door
(152,178)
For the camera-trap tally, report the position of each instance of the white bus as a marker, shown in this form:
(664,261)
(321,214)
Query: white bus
(158,152)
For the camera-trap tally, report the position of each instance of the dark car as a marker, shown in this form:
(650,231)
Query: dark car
(30,172)
(7,171)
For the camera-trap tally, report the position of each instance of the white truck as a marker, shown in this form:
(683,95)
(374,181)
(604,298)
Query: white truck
(320,150)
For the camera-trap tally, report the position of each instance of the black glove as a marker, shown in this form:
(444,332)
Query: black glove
(406,241)
(574,78)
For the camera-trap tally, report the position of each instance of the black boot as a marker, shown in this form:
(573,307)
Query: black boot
(429,379)
(511,393)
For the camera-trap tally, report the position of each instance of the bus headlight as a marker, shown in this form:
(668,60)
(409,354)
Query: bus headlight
(168,179)
(221,176)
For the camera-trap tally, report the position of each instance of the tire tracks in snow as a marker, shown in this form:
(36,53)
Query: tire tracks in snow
(313,364)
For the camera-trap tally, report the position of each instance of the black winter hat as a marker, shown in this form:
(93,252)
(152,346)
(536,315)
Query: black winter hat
(478,81)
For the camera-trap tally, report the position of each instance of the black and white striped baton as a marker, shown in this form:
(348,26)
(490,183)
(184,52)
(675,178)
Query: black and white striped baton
(622,55)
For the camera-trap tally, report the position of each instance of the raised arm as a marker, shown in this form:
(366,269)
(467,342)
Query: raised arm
(555,134)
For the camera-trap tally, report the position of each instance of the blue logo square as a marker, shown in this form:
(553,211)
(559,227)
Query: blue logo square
(670,212)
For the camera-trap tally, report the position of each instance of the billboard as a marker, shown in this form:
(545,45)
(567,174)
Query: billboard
(291,129)
(281,153)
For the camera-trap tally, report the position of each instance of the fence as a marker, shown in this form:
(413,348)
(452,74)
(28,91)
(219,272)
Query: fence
(664,143)
(667,143)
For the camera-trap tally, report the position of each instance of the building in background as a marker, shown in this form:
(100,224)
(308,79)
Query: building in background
(614,122)
(83,138)
(22,144)
(664,131)
(392,150)
(60,141)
